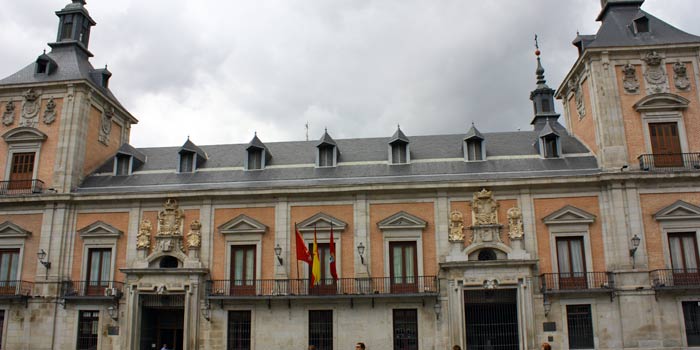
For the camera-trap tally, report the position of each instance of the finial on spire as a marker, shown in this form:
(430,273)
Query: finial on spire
(398,126)
(44,51)
(537,46)
(325,129)
(540,70)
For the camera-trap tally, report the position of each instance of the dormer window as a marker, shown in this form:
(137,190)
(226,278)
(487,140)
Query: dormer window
(550,145)
(326,156)
(641,24)
(474,150)
(42,67)
(187,161)
(45,65)
(255,156)
(122,165)
(190,157)
(399,153)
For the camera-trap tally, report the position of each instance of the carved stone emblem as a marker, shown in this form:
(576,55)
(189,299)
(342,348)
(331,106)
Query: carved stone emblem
(580,104)
(655,75)
(194,238)
(456,227)
(30,109)
(515,223)
(50,112)
(105,125)
(491,284)
(170,227)
(629,80)
(680,76)
(8,116)
(143,238)
(484,208)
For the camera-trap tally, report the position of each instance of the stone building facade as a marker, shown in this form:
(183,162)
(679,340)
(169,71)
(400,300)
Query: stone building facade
(583,237)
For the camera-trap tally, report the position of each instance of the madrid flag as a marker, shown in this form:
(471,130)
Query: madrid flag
(331,247)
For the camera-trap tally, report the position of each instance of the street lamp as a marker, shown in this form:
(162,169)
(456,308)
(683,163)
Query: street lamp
(278,253)
(635,244)
(41,255)
(361,251)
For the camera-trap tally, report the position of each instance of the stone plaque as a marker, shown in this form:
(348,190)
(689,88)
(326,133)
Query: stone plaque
(549,326)
(112,330)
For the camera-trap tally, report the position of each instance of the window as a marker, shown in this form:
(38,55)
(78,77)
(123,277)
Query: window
(684,257)
(2,325)
(123,163)
(85,34)
(405,329)
(641,24)
(243,269)
(238,330)
(22,171)
(487,254)
(580,326)
(665,144)
(325,155)
(571,262)
(88,328)
(9,265)
(551,147)
(67,30)
(399,153)
(691,315)
(186,162)
(99,270)
(42,66)
(327,283)
(403,267)
(545,105)
(321,329)
(474,151)
(255,159)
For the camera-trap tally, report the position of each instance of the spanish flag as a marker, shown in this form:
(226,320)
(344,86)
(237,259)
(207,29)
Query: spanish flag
(316,264)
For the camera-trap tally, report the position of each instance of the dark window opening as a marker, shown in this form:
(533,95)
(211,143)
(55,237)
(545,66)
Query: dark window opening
(105,81)
(67,29)
(641,25)
(487,255)
(42,66)
(546,106)
(99,270)
(580,326)
(399,153)
(123,163)
(551,147)
(2,325)
(85,34)
(88,329)
(321,329)
(474,150)
(168,262)
(186,162)
(238,330)
(243,269)
(325,155)
(255,159)
(691,315)
(405,329)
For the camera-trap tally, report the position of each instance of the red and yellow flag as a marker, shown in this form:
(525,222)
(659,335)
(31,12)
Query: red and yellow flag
(316,264)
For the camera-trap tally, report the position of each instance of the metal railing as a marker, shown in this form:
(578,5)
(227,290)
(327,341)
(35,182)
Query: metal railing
(669,162)
(14,187)
(678,278)
(573,281)
(15,288)
(424,285)
(92,289)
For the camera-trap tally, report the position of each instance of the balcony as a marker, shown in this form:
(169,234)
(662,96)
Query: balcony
(92,290)
(21,187)
(576,282)
(343,287)
(675,279)
(669,162)
(15,289)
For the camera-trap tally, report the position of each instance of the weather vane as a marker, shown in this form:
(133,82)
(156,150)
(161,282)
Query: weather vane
(537,44)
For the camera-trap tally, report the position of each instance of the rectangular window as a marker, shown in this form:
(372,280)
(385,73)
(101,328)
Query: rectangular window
(123,163)
(243,269)
(580,325)
(22,171)
(399,153)
(405,329)
(67,29)
(238,330)
(691,315)
(88,329)
(9,265)
(99,270)
(665,144)
(551,149)
(321,329)
(325,155)
(683,247)
(254,159)
(403,267)
(571,262)
(474,150)
(85,33)
(186,162)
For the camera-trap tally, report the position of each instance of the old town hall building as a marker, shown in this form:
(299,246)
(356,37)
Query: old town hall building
(581,232)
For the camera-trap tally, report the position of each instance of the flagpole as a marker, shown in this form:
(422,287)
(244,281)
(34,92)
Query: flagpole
(296,258)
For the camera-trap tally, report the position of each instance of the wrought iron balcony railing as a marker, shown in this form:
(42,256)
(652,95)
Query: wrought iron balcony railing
(375,286)
(13,289)
(669,162)
(675,279)
(576,281)
(15,187)
(91,289)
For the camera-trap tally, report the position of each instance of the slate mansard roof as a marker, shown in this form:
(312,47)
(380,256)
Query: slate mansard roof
(438,158)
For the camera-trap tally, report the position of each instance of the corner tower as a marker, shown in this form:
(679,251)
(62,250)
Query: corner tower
(55,109)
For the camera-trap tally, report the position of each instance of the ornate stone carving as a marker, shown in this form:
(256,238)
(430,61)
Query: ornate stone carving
(680,76)
(491,284)
(50,112)
(8,116)
(629,80)
(580,104)
(515,223)
(143,238)
(105,125)
(170,227)
(485,208)
(655,74)
(456,227)
(194,238)
(30,109)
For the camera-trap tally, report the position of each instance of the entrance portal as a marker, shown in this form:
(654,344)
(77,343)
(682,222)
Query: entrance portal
(491,318)
(162,319)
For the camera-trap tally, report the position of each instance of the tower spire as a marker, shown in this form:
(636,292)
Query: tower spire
(74,26)
(543,96)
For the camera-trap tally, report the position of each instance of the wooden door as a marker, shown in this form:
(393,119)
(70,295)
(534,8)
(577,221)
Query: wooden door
(326,285)
(22,171)
(99,271)
(243,270)
(665,144)
(403,267)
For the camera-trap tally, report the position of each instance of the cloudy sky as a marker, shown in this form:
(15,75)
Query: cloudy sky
(220,70)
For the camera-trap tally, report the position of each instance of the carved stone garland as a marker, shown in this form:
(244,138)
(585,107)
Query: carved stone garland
(655,74)
(30,109)
(8,116)
(456,227)
(170,226)
(629,80)
(50,112)
(105,125)
(680,76)
(143,238)
(194,237)
(515,223)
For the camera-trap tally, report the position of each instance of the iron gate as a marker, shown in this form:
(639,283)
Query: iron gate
(491,318)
